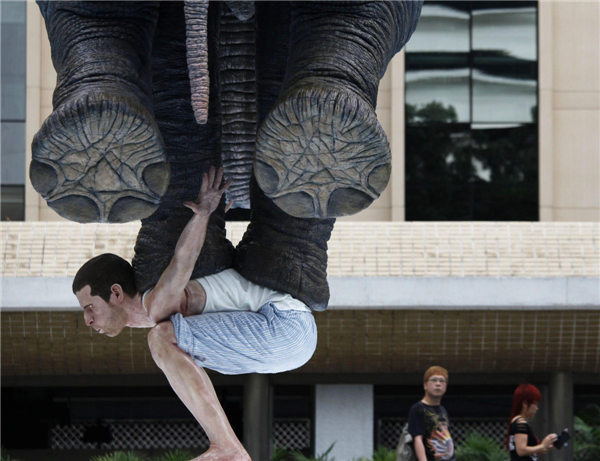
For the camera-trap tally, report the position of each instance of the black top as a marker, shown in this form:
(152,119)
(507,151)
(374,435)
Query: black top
(432,422)
(520,426)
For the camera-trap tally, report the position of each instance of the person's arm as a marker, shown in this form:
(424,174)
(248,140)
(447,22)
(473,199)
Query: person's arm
(164,300)
(416,428)
(521,442)
(420,448)
(523,450)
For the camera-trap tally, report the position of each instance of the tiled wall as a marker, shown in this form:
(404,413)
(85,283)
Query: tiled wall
(391,341)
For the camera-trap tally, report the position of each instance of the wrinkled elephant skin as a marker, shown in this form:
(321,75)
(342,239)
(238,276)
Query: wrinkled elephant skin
(151,94)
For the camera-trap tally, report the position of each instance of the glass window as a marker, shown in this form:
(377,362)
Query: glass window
(443,28)
(504,61)
(13,198)
(13,78)
(471,113)
(505,172)
(439,80)
(508,28)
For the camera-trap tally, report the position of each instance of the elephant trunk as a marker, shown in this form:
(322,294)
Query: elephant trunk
(192,149)
(196,15)
(237,75)
(243,10)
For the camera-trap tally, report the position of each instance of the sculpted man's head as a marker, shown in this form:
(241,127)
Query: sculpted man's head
(103,287)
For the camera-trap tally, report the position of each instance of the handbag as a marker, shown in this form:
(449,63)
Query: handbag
(405,450)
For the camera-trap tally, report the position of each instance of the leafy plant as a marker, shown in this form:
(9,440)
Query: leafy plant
(177,455)
(297,456)
(587,439)
(279,453)
(121,456)
(5,456)
(477,447)
(384,454)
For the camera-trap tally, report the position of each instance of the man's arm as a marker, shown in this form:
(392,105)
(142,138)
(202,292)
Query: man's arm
(165,299)
(420,448)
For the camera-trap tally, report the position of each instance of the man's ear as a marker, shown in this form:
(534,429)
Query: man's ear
(116,291)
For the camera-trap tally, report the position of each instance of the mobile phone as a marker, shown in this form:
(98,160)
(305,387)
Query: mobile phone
(562,439)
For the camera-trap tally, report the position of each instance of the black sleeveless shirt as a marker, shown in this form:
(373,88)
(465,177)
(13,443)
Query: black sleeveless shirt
(520,426)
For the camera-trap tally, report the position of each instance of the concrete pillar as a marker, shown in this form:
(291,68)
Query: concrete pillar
(344,415)
(561,412)
(540,422)
(257,416)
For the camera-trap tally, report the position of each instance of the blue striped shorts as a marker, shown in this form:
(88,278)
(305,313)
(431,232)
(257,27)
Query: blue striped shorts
(267,341)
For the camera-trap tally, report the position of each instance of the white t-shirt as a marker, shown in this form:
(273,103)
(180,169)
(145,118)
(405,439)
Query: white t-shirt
(228,291)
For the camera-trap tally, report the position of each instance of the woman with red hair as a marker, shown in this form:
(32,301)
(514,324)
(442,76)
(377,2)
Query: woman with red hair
(520,440)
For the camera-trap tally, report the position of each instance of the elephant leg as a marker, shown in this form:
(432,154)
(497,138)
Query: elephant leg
(191,149)
(99,157)
(321,151)
(280,251)
(272,43)
(285,253)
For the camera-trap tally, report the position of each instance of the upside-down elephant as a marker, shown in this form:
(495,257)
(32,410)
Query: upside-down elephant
(149,95)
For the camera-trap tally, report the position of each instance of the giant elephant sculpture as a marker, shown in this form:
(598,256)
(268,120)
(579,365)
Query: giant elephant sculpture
(149,95)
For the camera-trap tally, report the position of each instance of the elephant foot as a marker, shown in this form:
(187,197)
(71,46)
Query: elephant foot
(100,158)
(321,152)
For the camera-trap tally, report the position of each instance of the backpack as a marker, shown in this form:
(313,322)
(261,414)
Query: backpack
(405,450)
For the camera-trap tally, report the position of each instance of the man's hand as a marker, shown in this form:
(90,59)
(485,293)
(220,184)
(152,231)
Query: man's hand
(165,299)
(210,193)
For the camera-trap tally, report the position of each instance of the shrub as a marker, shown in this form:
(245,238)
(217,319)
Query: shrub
(297,456)
(587,434)
(177,455)
(477,447)
(384,454)
(121,456)
(5,456)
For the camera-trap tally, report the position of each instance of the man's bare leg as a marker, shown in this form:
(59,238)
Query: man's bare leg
(193,386)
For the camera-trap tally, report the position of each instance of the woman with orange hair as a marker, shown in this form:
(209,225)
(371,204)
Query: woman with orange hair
(520,440)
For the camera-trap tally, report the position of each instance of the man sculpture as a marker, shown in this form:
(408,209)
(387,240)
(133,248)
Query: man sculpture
(222,322)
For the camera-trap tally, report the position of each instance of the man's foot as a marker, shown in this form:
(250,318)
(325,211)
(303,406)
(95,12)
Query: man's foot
(321,153)
(224,454)
(100,158)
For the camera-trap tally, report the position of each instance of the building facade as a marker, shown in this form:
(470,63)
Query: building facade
(482,255)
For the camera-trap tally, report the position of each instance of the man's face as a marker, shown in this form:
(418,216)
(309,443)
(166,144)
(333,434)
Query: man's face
(106,318)
(435,386)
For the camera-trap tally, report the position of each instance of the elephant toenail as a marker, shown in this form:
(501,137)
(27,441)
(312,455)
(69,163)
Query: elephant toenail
(267,177)
(76,208)
(379,178)
(156,177)
(43,177)
(296,204)
(129,208)
(347,201)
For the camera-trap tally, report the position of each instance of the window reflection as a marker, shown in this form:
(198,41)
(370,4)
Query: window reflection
(505,153)
(508,27)
(442,79)
(503,99)
(471,112)
(12,107)
(504,61)
(443,27)
(471,172)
